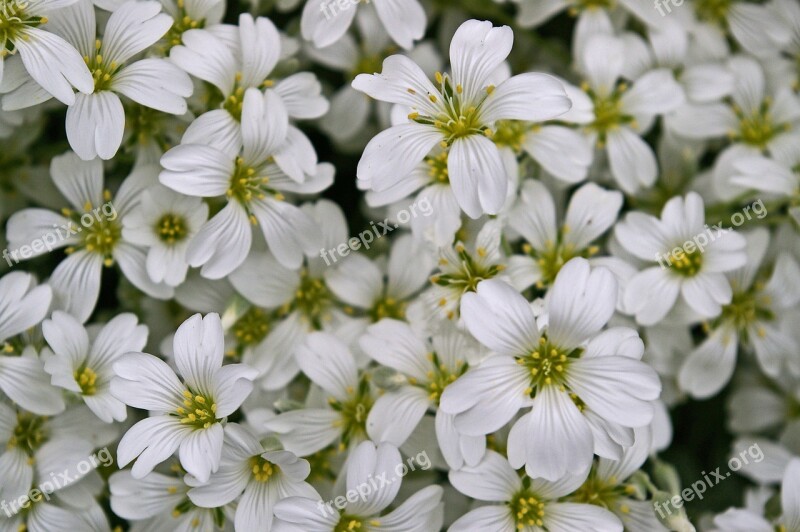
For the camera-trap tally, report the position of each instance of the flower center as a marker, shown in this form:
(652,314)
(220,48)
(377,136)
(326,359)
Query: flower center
(372,63)
(183,22)
(554,256)
(312,299)
(608,114)
(29,434)
(321,464)
(147,126)
(102,71)
(245,183)
(262,469)
(455,118)
(348,523)
(747,308)
(470,271)
(437,168)
(547,365)
(757,128)
(712,10)
(440,377)
(792,408)
(186,506)
(511,134)
(198,410)
(101,238)
(686,264)
(87,380)
(599,492)
(171,228)
(13,23)
(526,509)
(14,347)
(252,327)
(234,103)
(583,5)
(248,183)
(353,412)
(388,307)
(100,234)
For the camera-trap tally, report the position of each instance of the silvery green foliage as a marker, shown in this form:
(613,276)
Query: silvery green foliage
(555,286)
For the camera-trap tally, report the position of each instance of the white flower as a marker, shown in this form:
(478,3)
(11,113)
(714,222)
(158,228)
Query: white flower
(235,63)
(591,17)
(252,183)
(160,502)
(561,151)
(621,114)
(359,282)
(755,317)
(38,449)
(329,364)
(610,486)
(587,389)
(48,58)
(745,520)
(426,369)
(761,31)
(431,176)
(262,477)
(758,118)
(165,222)
(779,176)
(96,120)
(781,67)
(91,228)
(523,503)
(348,120)
(683,265)
(374,470)
(460,271)
(23,305)
(86,369)
(459,113)
(325,22)
(771,459)
(187,416)
(74,507)
(668,46)
(590,213)
(763,406)
(189,15)
(288,304)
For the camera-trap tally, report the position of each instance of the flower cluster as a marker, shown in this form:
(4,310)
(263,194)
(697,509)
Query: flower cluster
(600,302)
